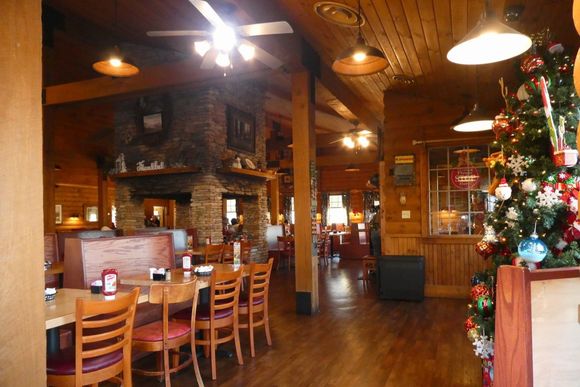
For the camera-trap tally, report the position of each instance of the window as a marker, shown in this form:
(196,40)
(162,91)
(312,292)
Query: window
(231,209)
(336,211)
(291,212)
(458,183)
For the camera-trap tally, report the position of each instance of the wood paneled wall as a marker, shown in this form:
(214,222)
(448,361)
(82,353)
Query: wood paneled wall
(74,199)
(450,261)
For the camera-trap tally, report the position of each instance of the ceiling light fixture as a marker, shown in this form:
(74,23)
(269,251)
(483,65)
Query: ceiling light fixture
(351,168)
(201,47)
(222,59)
(490,41)
(476,121)
(115,64)
(360,59)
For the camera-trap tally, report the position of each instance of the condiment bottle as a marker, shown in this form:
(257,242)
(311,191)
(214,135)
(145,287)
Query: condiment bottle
(109,278)
(237,254)
(208,241)
(186,264)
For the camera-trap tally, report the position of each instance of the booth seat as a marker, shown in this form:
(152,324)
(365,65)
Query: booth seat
(83,234)
(179,239)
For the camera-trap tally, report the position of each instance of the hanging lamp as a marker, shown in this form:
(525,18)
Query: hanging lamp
(351,168)
(115,64)
(490,41)
(476,121)
(360,59)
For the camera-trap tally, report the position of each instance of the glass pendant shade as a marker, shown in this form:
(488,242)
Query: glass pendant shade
(475,121)
(116,66)
(360,59)
(490,41)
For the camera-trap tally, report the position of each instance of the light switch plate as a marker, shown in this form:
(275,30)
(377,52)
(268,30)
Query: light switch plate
(406,214)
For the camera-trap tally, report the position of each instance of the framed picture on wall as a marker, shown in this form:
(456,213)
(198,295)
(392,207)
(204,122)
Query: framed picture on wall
(58,213)
(91,214)
(153,116)
(241,130)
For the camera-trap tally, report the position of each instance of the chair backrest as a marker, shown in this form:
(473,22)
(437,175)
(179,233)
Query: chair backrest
(260,280)
(246,251)
(285,243)
(213,253)
(51,247)
(103,327)
(225,290)
(228,254)
(174,293)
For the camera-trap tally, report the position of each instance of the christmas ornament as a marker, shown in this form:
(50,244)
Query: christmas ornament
(503,191)
(532,85)
(472,334)
(564,68)
(500,125)
(547,197)
(485,249)
(478,291)
(518,164)
(483,347)
(529,185)
(532,249)
(469,324)
(476,280)
(531,63)
(522,93)
(485,306)
(493,159)
(512,213)
(555,48)
(489,234)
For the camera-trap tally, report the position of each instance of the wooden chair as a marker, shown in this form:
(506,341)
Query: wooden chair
(167,335)
(255,303)
(51,255)
(103,344)
(246,251)
(213,253)
(220,314)
(285,249)
(369,264)
(228,254)
(321,247)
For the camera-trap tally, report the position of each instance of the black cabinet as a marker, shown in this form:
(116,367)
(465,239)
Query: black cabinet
(401,277)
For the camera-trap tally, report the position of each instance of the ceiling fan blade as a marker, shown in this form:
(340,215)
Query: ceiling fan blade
(176,33)
(335,141)
(208,61)
(208,12)
(365,132)
(264,56)
(271,28)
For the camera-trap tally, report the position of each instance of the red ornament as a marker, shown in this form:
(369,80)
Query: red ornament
(469,324)
(555,48)
(531,63)
(478,291)
(532,86)
(485,249)
(501,124)
(564,68)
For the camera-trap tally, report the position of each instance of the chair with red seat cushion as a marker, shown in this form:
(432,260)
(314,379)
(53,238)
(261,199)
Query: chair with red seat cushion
(102,349)
(167,336)
(220,315)
(255,304)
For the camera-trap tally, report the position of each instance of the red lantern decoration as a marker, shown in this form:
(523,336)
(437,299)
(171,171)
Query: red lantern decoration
(485,249)
(501,124)
(478,291)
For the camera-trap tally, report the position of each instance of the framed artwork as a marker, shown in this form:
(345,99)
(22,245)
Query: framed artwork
(58,213)
(152,123)
(154,116)
(91,214)
(241,130)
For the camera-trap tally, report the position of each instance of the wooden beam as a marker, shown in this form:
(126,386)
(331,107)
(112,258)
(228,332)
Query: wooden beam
(328,161)
(156,78)
(23,337)
(304,162)
(274,200)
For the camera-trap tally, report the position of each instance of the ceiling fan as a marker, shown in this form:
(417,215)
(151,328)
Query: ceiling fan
(356,138)
(217,46)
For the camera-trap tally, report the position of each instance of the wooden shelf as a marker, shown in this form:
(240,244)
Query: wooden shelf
(248,172)
(156,172)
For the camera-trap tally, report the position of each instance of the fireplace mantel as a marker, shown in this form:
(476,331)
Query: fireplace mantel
(248,173)
(156,172)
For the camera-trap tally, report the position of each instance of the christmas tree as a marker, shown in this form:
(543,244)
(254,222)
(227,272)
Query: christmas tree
(533,221)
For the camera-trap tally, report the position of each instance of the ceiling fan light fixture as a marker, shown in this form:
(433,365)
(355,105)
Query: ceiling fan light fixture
(224,38)
(348,142)
(201,47)
(489,41)
(246,51)
(363,142)
(476,121)
(222,59)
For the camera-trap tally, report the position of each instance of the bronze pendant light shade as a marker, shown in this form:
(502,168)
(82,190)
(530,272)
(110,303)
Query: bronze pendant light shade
(360,59)
(116,66)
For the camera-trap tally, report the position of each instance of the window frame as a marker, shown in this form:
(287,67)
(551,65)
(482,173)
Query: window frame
(342,206)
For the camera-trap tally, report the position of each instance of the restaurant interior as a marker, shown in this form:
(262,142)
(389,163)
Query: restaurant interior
(246,192)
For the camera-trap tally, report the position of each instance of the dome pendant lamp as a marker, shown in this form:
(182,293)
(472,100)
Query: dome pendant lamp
(115,65)
(360,59)
(490,41)
(475,121)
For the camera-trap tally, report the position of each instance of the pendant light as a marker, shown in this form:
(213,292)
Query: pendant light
(115,64)
(490,41)
(476,121)
(360,59)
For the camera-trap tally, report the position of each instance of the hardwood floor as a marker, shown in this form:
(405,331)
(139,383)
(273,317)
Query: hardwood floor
(355,340)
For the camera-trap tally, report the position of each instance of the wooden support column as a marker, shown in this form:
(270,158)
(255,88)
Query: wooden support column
(48,169)
(23,349)
(103,197)
(274,200)
(304,156)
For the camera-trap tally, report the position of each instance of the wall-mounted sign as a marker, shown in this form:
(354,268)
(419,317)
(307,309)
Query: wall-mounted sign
(404,170)
(405,159)
(465,178)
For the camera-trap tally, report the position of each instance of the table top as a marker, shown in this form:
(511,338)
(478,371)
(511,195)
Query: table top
(61,310)
(55,268)
(177,276)
(196,251)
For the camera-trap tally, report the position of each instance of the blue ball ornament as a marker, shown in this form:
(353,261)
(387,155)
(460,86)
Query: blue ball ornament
(532,249)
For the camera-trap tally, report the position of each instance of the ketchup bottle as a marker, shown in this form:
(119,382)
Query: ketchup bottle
(186,264)
(109,278)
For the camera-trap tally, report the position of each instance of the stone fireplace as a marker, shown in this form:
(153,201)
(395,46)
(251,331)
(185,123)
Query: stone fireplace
(194,135)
